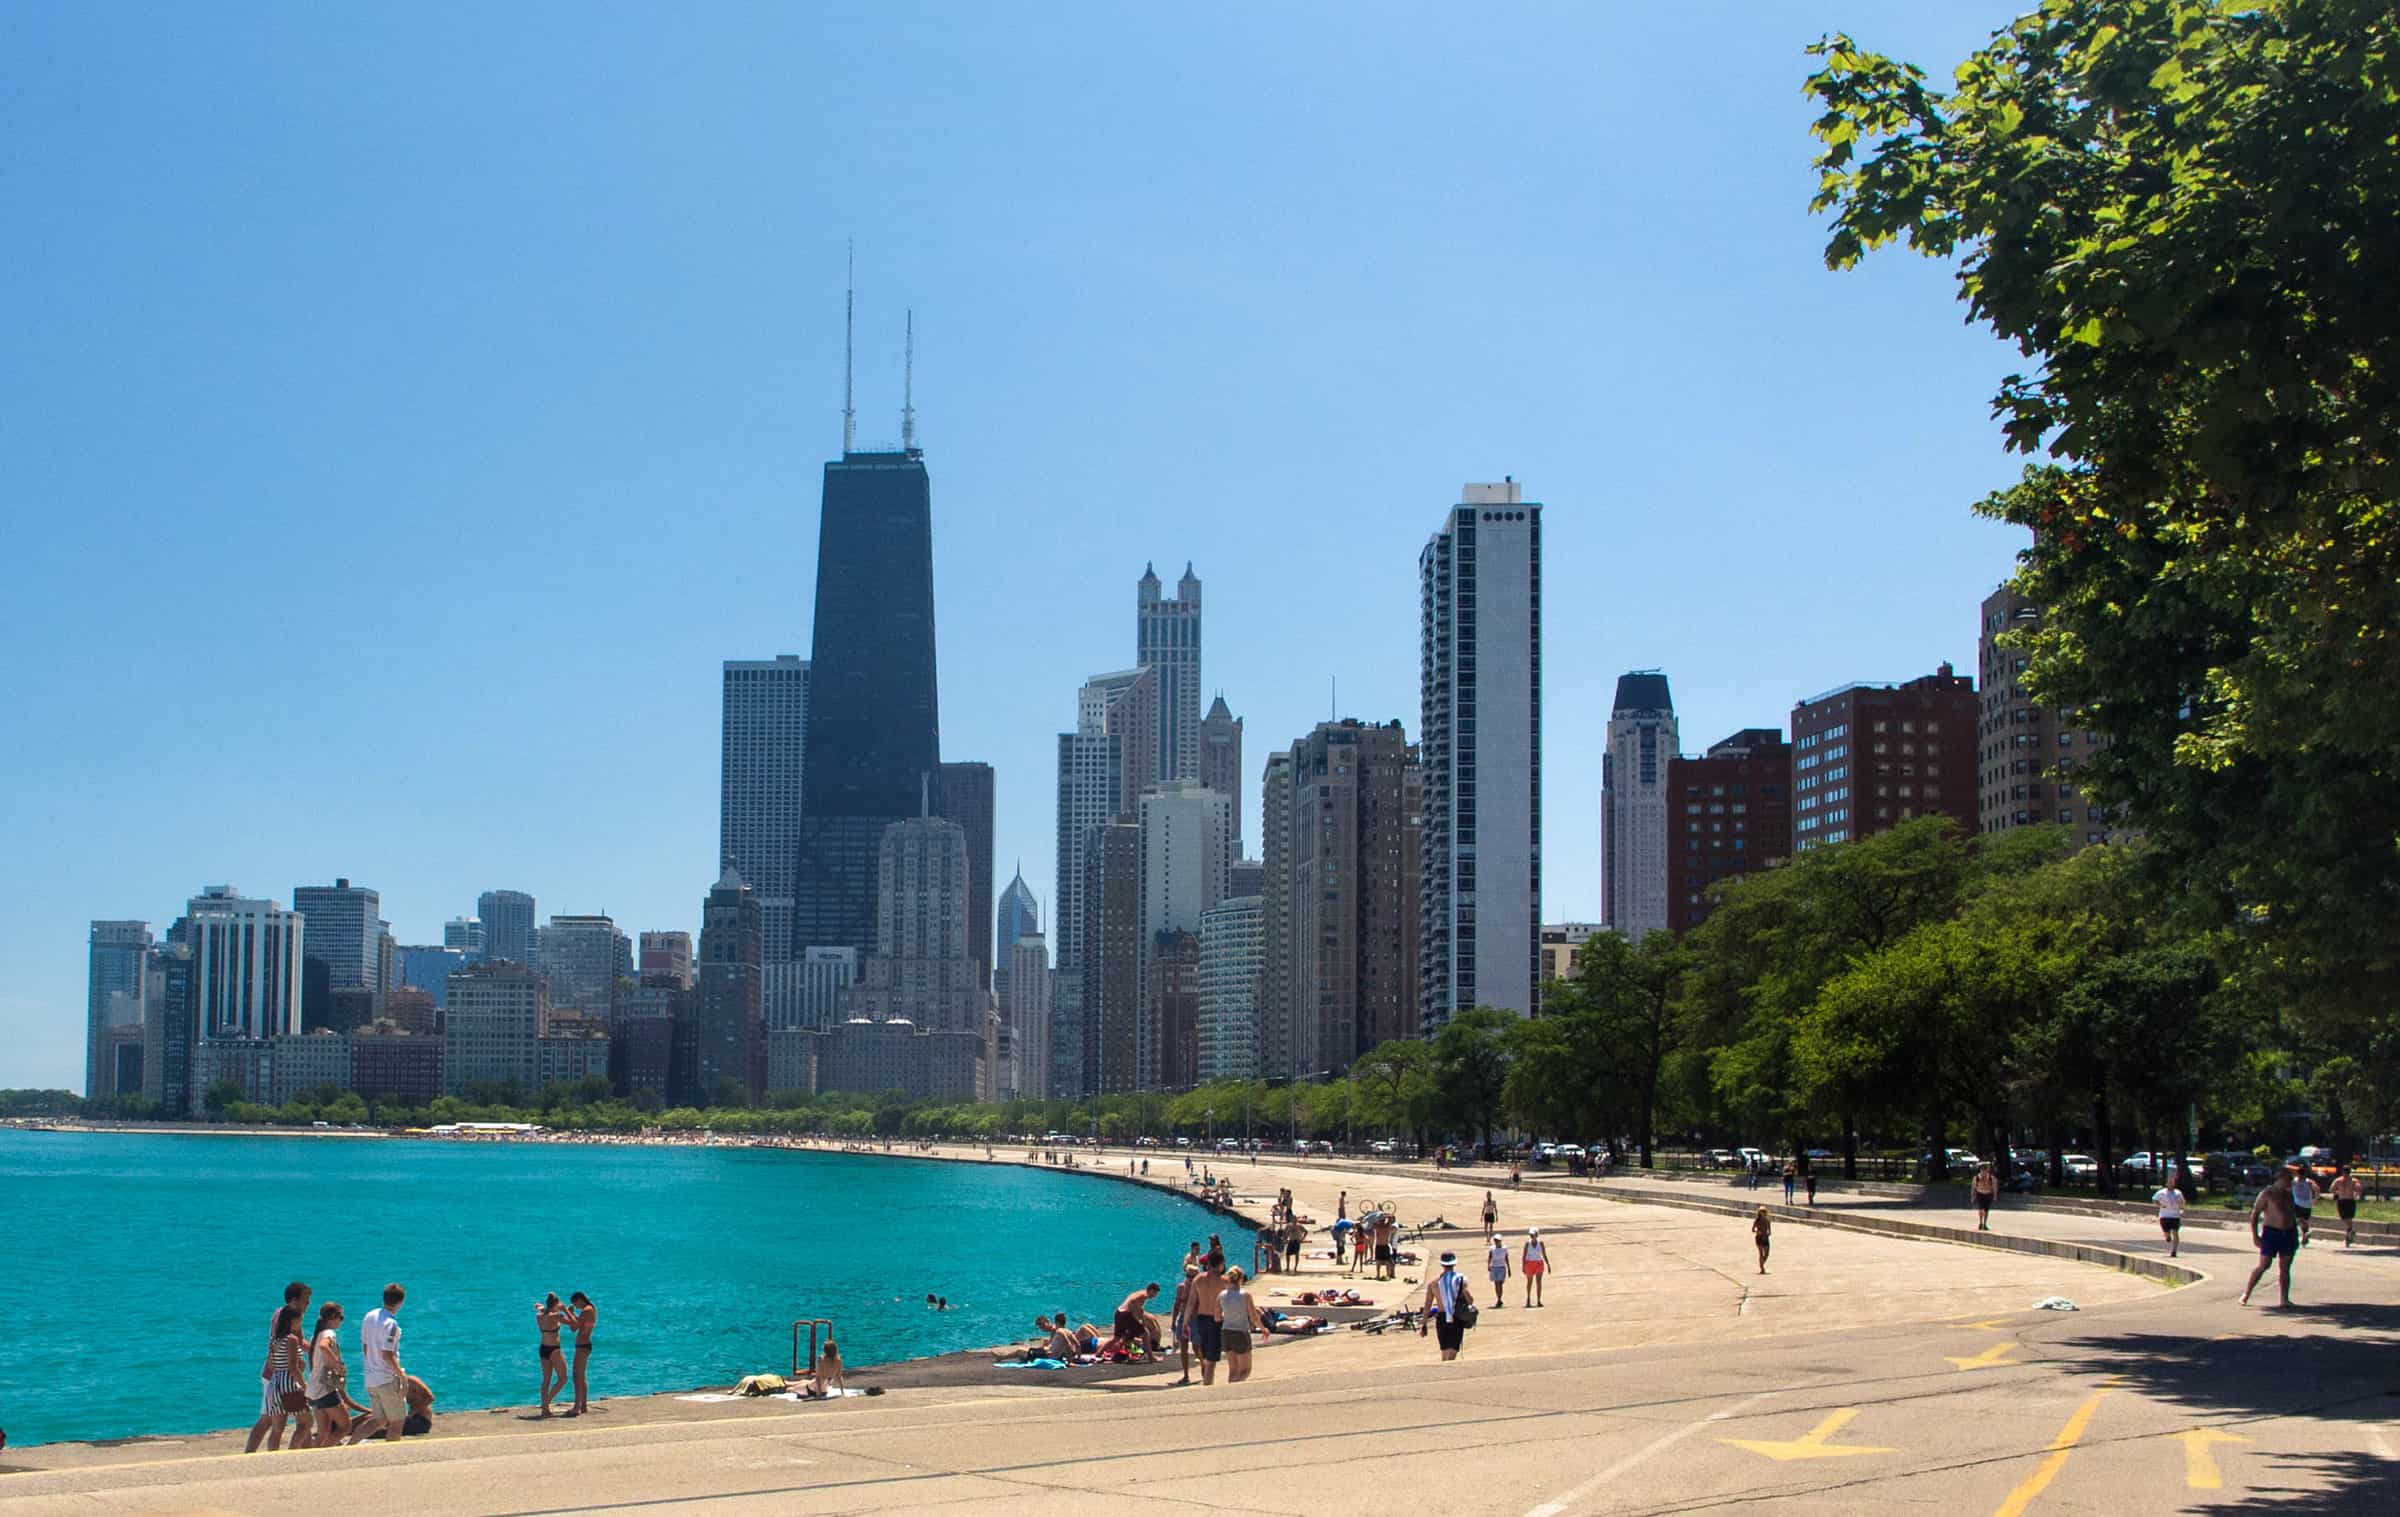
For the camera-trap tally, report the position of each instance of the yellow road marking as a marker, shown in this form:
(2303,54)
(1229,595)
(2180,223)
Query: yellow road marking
(2060,1447)
(1813,1444)
(2200,1471)
(1990,1325)
(1995,1357)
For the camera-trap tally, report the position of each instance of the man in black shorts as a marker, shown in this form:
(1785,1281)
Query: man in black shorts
(1207,1315)
(2347,1192)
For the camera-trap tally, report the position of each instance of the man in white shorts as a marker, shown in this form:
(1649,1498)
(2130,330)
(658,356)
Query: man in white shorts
(379,1347)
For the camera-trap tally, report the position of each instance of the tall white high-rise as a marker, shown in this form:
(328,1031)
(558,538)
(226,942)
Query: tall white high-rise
(1232,965)
(1187,854)
(245,965)
(1480,581)
(1102,766)
(1167,639)
(1642,741)
(758,804)
(1025,1019)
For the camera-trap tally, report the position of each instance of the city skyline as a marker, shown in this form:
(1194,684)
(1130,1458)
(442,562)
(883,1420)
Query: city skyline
(547,709)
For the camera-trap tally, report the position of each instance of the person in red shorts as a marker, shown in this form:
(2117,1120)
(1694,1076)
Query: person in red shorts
(1533,1264)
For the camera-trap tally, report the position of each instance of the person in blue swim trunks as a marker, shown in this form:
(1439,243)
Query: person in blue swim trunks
(2275,1228)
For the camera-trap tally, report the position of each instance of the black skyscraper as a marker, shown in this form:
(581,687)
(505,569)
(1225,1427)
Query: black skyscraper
(874,726)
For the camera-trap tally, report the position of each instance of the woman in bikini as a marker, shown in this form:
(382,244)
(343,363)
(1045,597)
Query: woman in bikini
(581,1314)
(549,1315)
(1762,1232)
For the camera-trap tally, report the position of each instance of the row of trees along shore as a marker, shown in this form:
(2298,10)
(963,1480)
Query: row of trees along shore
(1916,987)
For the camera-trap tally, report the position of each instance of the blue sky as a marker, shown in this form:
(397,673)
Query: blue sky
(409,407)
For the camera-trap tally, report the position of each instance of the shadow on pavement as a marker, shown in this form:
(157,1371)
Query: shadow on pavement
(2334,1366)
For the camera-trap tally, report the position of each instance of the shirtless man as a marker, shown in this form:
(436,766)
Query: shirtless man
(1132,1323)
(2275,1228)
(2348,1189)
(1207,1315)
(1180,1315)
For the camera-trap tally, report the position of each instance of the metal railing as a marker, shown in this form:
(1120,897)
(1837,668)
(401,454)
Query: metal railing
(812,1324)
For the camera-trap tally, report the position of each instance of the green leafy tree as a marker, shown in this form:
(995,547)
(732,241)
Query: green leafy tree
(2182,212)
(1470,1069)
(1629,993)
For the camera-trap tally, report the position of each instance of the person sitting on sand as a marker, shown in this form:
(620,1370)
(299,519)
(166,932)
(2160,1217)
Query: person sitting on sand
(827,1381)
(1062,1343)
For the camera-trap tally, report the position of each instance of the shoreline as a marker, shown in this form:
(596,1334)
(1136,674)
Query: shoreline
(956,1368)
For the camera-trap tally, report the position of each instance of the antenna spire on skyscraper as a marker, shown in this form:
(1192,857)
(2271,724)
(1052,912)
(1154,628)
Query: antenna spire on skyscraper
(849,347)
(908,388)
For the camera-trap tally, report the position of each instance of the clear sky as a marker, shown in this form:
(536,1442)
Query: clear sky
(407,408)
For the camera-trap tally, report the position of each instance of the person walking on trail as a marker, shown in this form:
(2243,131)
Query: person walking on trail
(1495,1258)
(271,1414)
(1791,1180)
(2275,1229)
(1449,1307)
(1533,1264)
(1241,1320)
(2170,1201)
(2348,1190)
(2304,1199)
(379,1350)
(1810,1175)
(1762,1231)
(1491,1213)
(1987,1190)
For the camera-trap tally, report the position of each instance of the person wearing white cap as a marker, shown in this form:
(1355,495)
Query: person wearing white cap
(1495,1259)
(1449,1308)
(1534,1265)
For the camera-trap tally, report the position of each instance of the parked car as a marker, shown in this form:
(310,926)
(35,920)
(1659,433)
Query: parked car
(2145,1163)
(1145,1142)
(1958,1161)
(1746,1158)
(2079,1168)
(1183,1142)
(1822,1153)
(2231,1171)
(1383,1146)
(1720,1158)
(1229,1145)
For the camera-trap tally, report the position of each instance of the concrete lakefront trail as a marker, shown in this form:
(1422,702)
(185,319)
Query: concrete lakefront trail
(1862,1374)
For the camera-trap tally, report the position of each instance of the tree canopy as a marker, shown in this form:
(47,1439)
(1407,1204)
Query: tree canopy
(2182,212)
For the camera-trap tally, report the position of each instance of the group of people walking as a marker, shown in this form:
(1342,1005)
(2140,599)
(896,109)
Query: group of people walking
(305,1382)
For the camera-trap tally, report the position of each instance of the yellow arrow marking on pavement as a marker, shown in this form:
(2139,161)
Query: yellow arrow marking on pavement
(1990,1325)
(2060,1447)
(1995,1357)
(2200,1470)
(1812,1446)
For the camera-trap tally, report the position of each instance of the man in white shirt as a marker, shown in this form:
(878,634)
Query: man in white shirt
(2170,1216)
(2304,1196)
(379,1347)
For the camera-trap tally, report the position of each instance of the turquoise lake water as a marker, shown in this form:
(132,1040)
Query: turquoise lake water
(138,1274)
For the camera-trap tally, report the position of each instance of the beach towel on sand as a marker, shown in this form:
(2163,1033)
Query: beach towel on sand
(1030,1364)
